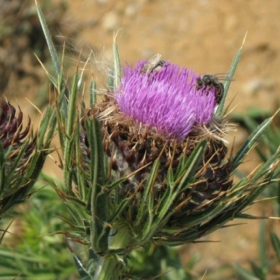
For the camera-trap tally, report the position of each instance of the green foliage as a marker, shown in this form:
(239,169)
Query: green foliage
(262,268)
(27,158)
(35,249)
(160,261)
(268,146)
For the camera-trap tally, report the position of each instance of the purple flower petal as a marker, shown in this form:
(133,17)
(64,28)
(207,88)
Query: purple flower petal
(167,100)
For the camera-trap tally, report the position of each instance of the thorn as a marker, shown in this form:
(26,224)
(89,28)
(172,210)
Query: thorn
(274,218)
(35,107)
(116,35)
(46,71)
(243,42)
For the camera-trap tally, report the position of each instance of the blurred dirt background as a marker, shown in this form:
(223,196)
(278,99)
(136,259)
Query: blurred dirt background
(203,35)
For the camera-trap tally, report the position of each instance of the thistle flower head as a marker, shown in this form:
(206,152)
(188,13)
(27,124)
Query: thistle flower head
(158,117)
(166,99)
(159,112)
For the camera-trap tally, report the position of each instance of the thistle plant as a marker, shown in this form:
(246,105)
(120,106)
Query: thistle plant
(149,163)
(22,154)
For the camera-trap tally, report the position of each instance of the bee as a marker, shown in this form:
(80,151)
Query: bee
(154,63)
(211,82)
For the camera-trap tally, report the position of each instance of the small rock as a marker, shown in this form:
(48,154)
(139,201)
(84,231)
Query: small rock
(110,21)
(255,85)
(102,2)
(252,87)
(231,23)
(131,10)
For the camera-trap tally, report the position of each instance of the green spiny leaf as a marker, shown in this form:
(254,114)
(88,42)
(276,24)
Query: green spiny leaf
(81,269)
(60,85)
(148,190)
(47,34)
(69,140)
(276,244)
(244,273)
(230,75)
(117,64)
(92,93)
(249,143)
(262,245)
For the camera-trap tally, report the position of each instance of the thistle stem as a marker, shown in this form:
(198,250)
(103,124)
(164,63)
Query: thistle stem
(112,264)
(109,267)
(120,239)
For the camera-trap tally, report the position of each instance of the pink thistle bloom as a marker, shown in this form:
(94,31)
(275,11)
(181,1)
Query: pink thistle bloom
(167,99)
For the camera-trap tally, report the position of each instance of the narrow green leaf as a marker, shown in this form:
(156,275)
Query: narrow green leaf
(148,189)
(55,183)
(275,243)
(98,200)
(2,169)
(81,269)
(230,75)
(122,206)
(48,38)
(262,244)
(244,273)
(187,165)
(5,253)
(92,93)
(191,165)
(266,170)
(9,178)
(46,129)
(97,155)
(75,215)
(170,176)
(258,271)
(60,84)
(249,143)
(164,209)
(117,64)
(70,132)
(111,79)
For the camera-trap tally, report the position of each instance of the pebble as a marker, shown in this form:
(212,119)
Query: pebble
(255,85)
(110,21)
(131,10)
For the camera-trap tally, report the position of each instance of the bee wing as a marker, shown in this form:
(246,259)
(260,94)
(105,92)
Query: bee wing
(154,59)
(151,63)
(223,77)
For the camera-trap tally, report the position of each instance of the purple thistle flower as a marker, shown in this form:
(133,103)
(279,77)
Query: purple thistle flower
(167,99)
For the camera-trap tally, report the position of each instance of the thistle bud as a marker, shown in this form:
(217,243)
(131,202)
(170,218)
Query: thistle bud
(21,156)
(13,135)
